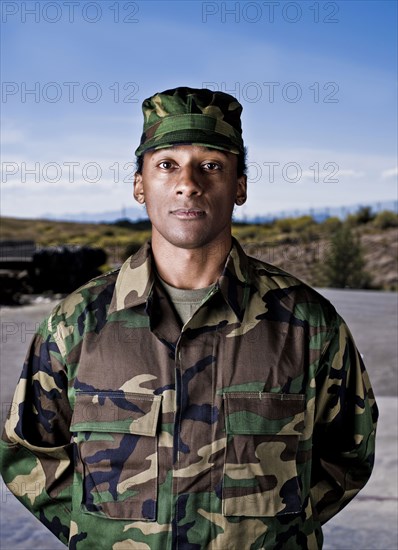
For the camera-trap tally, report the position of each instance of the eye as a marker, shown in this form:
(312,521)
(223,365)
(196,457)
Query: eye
(211,166)
(165,164)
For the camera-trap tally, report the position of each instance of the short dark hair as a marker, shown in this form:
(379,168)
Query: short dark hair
(241,167)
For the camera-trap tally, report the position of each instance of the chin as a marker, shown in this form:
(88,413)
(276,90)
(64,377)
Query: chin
(189,244)
(190,240)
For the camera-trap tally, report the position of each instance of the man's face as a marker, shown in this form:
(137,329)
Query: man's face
(190,192)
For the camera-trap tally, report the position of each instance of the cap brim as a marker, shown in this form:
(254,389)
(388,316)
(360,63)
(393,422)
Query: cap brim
(204,138)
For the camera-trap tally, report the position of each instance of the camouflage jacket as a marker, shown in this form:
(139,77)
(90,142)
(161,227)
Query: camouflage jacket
(246,428)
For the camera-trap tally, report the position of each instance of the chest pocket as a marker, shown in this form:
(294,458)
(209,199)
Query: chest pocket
(260,473)
(117,453)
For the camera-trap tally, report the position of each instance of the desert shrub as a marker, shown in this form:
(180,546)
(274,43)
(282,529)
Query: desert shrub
(386,219)
(362,216)
(289,225)
(331,225)
(344,265)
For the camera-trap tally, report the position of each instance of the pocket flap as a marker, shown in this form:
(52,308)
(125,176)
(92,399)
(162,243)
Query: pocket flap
(264,413)
(116,411)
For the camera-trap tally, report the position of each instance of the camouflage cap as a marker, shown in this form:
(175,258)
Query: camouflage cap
(194,116)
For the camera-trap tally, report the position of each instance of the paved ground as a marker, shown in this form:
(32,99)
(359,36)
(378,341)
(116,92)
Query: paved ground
(373,320)
(368,523)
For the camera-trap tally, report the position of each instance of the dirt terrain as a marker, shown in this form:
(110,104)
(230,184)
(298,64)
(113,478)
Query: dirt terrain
(305,259)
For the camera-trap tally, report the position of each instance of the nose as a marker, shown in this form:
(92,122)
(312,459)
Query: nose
(188,183)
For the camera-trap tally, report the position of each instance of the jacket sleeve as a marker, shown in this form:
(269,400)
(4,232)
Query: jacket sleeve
(36,449)
(345,424)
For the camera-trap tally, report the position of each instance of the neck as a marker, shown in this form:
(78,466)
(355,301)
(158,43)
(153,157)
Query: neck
(190,268)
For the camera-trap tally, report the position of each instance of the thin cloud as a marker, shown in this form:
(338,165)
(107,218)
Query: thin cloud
(390,173)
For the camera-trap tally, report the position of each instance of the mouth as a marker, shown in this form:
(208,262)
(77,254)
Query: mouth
(188,213)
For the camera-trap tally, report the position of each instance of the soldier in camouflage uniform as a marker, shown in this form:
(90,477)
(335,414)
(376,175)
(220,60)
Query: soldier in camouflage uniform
(196,398)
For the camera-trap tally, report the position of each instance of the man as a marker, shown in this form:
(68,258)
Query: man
(196,398)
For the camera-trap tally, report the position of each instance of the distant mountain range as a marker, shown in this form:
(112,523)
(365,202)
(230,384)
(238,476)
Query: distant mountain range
(319,214)
(111,216)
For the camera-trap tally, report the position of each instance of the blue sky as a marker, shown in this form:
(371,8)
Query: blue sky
(317,81)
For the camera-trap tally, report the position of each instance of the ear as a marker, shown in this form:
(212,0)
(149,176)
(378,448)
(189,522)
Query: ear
(138,188)
(241,192)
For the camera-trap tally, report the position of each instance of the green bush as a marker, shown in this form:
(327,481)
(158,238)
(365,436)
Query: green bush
(386,219)
(362,216)
(344,266)
(289,225)
(331,225)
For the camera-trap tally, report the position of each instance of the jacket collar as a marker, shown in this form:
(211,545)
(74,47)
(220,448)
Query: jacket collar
(134,281)
(136,278)
(234,282)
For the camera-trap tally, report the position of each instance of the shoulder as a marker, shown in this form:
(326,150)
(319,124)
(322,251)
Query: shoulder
(276,284)
(84,307)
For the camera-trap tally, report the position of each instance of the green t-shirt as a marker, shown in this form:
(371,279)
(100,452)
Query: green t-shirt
(186,301)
